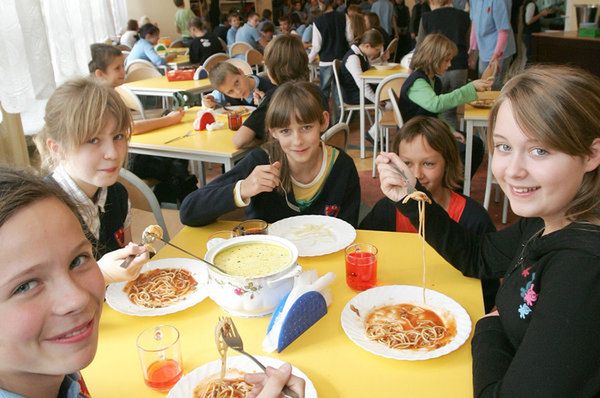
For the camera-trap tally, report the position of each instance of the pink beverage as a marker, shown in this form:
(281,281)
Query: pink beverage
(163,374)
(361,267)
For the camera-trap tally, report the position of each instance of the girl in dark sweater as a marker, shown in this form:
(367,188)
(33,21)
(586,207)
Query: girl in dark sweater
(544,338)
(293,166)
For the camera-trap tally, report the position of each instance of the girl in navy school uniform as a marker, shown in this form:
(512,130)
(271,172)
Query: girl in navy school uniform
(83,145)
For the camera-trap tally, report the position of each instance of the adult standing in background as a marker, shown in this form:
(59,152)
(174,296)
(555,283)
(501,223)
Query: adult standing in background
(531,23)
(385,11)
(420,7)
(183,16)
(462,5)
(454,24)
(492,34)
(402,22)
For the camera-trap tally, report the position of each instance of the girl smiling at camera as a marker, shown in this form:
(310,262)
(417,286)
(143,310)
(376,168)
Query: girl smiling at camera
(293,163)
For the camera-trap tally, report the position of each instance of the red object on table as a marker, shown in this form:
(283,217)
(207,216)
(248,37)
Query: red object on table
(180,74)
(163,374)
(361,270)
(234,120)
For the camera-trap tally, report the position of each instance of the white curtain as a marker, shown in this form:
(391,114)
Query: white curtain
(45,42)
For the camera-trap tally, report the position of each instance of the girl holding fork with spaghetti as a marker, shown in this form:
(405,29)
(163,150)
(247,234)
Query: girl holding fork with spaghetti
(293,173)
(544,337)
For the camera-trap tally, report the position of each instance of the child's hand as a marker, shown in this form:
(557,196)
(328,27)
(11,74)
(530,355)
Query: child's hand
(258,96)
(170,56)
(393,184)
(483,85)
(208,101)
(270,383)
(175,116)
(262,179)
(110,263)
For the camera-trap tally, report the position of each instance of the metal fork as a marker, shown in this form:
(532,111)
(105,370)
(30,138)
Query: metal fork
(189,133)
(233,339)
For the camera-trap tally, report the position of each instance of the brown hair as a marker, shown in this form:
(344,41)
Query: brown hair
(433,51)
(197,23)
(295,100)
(220,71)
(372,37)
(354,8)
(440,3)
(440,139)
(558,106)
(76,112)
(20,189)
(102,56)
(373,20)
(286,59)
(132,24)
(359,27)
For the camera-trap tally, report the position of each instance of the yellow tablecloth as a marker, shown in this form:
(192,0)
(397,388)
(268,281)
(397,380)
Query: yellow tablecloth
(382,74)
(161,84)
(336,366)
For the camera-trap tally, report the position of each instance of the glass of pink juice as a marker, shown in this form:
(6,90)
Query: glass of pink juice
(160,356)
(361,266)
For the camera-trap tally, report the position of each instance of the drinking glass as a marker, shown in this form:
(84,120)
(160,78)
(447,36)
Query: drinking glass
(160,356)
(234,120)
(361,266)
(251,227)
(218,237)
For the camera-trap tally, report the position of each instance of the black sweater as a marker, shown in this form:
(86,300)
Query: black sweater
(340,194)
(332,27)
(546,341)
(454,24)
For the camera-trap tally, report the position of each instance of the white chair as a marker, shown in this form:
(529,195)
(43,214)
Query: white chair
(241,64)
(391,48)
(140,69)
(350,108)
(254,59)
(142,197)
(131,100)
(385,121)
(213,60)
(333,134)
(239,48)
(488,192)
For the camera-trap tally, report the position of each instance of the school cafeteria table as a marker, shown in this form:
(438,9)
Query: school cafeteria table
(202,146)
(161,87)
(474,117)
(373,76)
(337,367)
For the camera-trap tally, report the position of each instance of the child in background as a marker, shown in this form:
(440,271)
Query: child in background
(131,34)
(267,32)
(293,164)
(355,62)
(233,87)
(234,25)
(248,32)
(421,93)
(203,44)
(285,60)
(84,144)
(221,30)
(107,64)
(183,16)
(285,25)
(372,22)
(267,16)
(144,47)
(546,158)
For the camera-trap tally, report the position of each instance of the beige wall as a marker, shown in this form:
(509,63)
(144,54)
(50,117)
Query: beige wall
(161,12)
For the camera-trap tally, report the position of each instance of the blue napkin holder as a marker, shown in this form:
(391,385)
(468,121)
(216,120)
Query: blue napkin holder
(305,312)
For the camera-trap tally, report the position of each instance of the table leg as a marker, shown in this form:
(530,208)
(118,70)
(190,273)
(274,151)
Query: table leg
(468,157)
(361,112)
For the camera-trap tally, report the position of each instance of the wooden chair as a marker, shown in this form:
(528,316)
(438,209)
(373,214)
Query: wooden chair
(350,108)
(385,121)
(391,48)
(142,197)
(241,64)
(254,59)
(213,60)
(131,100)
(223,44)
(177,44)
(140,69)
(337,135)
(239,48)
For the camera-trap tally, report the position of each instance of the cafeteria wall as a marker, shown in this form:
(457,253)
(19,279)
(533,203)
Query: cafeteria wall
(161,12)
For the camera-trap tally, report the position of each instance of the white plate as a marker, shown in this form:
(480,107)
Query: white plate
(185,387)
(117,299)
(237,108)
(330,234)
(370,299)
(389,65)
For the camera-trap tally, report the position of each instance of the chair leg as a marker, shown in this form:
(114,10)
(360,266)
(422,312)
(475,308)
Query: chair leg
(349,117)
(375,143)
(488,185)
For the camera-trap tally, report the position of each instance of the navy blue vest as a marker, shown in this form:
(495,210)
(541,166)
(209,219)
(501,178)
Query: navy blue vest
(350,90)
(332,27)
(409,109)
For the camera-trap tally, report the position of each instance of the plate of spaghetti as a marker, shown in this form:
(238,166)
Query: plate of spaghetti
(163,287)
(204,382)
(393,322)
(314,235)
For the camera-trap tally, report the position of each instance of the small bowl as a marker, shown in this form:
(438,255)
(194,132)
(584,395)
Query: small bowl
(386,66)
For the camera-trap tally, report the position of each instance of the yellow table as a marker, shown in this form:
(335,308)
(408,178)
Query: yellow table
(203,146)
(474,117)
(374,76)
(336,366)
(179,61)
(161,87)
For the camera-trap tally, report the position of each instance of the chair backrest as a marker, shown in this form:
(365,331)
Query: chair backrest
(338,87)
(131,100)
(394,101)
(241,64)
(223,44)
(177,44)
(123,47)
(337,135)
(391,48)
(140,69)
(142,197)
(393,82)
(239,48)
(254,58)
(213,60)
